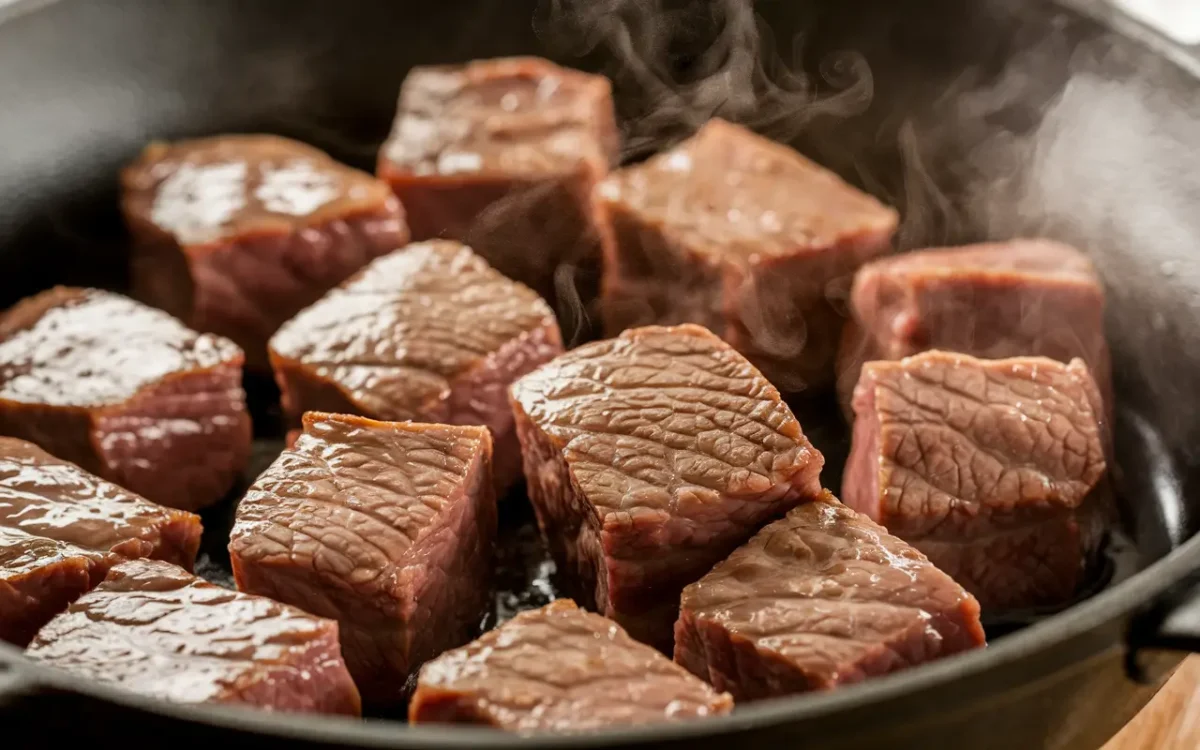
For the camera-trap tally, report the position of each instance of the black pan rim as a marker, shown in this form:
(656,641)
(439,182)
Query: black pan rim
(1118,602)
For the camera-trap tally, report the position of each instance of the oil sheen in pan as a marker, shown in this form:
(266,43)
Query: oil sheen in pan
(525,573)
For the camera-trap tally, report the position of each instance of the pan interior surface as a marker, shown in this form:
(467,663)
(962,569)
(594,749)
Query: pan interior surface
(976,120)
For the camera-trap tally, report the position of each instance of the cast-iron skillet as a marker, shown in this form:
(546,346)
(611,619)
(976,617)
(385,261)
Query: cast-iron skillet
(977,119)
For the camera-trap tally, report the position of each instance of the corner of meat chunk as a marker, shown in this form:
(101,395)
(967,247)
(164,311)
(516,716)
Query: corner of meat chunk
(995,469)
(62,528)
(746,237)
(39,578)
(822,598)
(428,333)
(235,234)
(559,669)
(127,392)
(1024,297)
(386,527)
(153,628)
(503,155)
(651,456)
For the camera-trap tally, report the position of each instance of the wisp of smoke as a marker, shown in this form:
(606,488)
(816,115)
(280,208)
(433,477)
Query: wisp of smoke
(678,64)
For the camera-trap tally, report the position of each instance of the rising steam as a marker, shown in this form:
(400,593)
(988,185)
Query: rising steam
(678,64)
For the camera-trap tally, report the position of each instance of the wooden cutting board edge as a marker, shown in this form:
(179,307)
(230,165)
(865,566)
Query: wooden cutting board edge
(1171,721)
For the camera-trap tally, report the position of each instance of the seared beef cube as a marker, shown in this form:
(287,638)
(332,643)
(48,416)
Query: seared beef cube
(47,497)
(236,234)
(387,527)
(821,598)
(650,457)
(1005,299)
(127,392)
(744,236)
(39,577)
(429,333)
(62,528)
(503,155)
(155,629)
(559,669)
(994,469)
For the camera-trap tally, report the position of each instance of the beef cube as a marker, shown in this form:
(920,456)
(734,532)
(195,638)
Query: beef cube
(993,468)
(1006,299)
(559,669)
(429,333)
(62,528)
(39,577)
(153,628)
(387,527)
(236,234)
(503,155)
(44,496)
(127,392)
(821,598)
(744,236)
(650,457)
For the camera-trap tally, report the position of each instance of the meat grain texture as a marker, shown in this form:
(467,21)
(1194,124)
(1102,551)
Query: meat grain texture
(127,392)
(995,469)
(385,527)
(822,598)
(1024,297)
(503,155)
(559,669)
(153,628)
(648,458)
(235,234)
(429,333)
(62,528)
(744,236)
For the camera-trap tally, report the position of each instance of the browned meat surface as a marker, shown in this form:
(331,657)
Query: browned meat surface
(744,236)
(39,577)
(429,333)
(62,528)
(47,497)
(822,598)
(127,392)
(387,527)
(559,669)
(995,300)
(994,469)
(503,155)
(236,234)
(651,456)
(153,628)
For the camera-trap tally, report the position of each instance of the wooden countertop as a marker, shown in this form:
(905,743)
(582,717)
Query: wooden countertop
(1172,720)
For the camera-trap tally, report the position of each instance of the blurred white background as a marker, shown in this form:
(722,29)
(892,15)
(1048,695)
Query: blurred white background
(1179,19)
